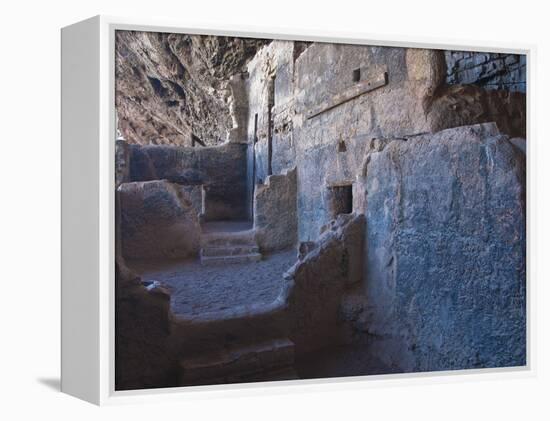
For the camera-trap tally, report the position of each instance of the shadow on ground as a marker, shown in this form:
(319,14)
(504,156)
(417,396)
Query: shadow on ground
(53,383)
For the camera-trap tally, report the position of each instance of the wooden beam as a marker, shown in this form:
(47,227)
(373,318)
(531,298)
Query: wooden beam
(353,92)
(196,139)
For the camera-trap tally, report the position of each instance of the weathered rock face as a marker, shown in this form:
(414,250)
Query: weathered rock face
(171,85)
(275,219)
(445,251)
(490,70)
(157,220)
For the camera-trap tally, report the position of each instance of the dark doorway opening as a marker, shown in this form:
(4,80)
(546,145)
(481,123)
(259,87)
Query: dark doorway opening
(356,75)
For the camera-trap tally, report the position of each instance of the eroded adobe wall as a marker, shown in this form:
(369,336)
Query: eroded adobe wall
(490,70)
(220,170)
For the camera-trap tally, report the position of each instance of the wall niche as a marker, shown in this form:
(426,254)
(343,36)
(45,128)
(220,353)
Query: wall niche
(340,199)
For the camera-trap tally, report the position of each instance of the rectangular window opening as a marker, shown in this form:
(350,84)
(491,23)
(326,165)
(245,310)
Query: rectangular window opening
(341,200)
(357,75)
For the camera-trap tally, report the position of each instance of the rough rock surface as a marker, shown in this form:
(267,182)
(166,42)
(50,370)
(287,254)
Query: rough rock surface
(445,266)
(275,219)
(171,85)
(157,220)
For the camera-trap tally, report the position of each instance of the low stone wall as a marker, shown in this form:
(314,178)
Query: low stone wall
(275,219)
(143,358)
(319,282)
(445,251)
(157,220)
(490,70)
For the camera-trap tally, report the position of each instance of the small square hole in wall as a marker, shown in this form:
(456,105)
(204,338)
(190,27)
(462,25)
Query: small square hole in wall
(340,200)
(356,75)
(341,146)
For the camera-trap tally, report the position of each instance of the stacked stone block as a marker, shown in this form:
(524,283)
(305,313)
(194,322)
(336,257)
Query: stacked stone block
(490,70)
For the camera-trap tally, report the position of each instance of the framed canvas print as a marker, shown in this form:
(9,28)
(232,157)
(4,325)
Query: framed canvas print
(244,209)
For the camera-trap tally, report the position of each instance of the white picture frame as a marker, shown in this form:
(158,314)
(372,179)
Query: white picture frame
(88,131)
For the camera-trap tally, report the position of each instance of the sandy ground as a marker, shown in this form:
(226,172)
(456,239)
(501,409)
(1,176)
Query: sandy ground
(198,289)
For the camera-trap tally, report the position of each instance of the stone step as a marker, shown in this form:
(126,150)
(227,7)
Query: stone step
(272,359)
(229,250)
(224,239)
(241,258)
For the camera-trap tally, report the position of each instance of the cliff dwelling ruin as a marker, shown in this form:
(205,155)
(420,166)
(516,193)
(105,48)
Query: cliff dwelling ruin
(296,210)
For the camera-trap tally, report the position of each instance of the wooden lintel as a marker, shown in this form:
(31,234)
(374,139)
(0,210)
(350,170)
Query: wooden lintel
(340,183)
(356,90)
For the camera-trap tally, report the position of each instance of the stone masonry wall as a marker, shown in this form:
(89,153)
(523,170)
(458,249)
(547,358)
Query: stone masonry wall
(157,220)
(490,70)
(328,148)
(270,85)
(220,170)
(409,277)
(275,218)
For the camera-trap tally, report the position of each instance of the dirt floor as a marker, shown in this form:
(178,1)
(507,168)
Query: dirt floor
(199,289)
